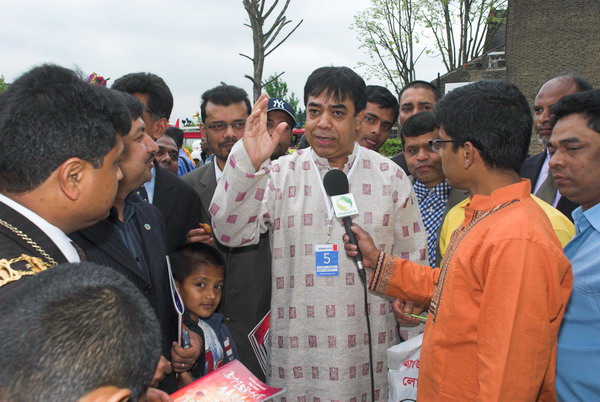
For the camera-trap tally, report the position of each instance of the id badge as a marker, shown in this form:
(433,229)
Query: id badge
(327,260)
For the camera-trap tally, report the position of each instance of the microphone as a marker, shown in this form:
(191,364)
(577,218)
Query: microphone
(337,188)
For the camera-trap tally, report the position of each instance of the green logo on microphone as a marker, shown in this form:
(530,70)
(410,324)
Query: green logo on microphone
(344,203)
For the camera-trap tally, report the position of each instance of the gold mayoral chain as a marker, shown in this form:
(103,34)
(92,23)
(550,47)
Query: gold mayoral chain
(34,264)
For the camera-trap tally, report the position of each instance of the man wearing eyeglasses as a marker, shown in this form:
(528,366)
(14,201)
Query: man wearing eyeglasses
(435,196)
(498,300)
(247,294)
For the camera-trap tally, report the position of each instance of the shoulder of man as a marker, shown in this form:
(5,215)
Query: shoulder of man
(180,185)
(17,262)
(198,174)
(384,165)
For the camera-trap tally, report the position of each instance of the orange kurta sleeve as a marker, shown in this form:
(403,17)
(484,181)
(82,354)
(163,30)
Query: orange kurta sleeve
(404,279)
(525,285)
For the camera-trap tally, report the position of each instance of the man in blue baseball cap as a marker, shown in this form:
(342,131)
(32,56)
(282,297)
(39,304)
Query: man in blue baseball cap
(277,112)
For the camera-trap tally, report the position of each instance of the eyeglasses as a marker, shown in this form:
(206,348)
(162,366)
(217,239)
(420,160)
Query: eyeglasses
(237,126)
(437,145)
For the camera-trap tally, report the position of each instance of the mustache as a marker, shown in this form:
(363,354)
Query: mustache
(227,142)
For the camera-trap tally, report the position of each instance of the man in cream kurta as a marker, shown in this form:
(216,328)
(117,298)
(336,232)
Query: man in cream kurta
(318,339)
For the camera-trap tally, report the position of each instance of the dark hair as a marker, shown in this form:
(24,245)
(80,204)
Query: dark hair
(160,99)
(383,97)
(338,83)
(72,329)
(177,135)
(186,258)
(581,83)
(50,111)
(419,124)
(422,84)
(133,104)
(224,95)
(585,103)
(494,116)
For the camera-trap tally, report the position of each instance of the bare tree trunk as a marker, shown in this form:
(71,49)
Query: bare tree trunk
(263,41)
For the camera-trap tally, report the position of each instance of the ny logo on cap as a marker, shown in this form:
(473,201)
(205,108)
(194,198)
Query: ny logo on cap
(278,103)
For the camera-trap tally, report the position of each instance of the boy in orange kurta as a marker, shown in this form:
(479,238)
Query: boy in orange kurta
(497,301)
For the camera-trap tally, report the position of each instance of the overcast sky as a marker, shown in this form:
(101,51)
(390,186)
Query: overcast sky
(192,44)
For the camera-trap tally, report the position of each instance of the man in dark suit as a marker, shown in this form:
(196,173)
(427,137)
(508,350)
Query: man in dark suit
(181,208)
(247,292)
(415,97)
(131,241)
(79,128)
(535,168)
(178,203)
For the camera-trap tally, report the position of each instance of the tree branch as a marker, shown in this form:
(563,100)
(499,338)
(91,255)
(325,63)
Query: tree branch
(284,39)
(250,78)
(273,79)
(248,57)
(270,10)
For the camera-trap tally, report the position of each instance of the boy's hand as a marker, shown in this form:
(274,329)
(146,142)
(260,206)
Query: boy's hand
(184,379)
(200,235)
(156,395)
(184,359)
(162,369)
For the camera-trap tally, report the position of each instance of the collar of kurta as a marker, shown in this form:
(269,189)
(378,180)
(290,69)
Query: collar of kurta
(323,163)
(502,195)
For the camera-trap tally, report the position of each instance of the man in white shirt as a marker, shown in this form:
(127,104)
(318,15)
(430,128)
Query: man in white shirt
(78,128)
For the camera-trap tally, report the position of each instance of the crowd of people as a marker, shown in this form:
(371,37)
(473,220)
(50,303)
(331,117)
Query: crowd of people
(495,248)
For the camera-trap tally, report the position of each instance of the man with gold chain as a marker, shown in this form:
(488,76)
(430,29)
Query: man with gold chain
(77,128)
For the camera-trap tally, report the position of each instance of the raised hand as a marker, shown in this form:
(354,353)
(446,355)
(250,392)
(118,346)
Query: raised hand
(258,142)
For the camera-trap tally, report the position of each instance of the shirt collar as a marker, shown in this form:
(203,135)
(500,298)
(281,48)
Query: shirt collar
(323,163)
(589,217)
(128,208)
(58,237)
(441,190)
(218,171)
(502,195)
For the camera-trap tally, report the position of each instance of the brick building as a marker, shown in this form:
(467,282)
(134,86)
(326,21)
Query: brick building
(543,38)
(547,37)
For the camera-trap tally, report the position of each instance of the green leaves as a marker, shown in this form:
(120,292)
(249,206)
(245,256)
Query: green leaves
(3,84)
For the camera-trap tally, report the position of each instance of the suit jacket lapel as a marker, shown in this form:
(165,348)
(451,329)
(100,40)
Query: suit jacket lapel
(164,199)
(153,252)
(106,238)
(209,181)
(23,224)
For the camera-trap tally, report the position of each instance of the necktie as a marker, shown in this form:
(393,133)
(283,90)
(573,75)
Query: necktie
(80,252)
(547,190)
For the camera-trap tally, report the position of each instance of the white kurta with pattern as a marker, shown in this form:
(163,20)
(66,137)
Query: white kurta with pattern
(318,334)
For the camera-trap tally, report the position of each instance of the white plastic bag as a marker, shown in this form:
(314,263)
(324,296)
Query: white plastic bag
(403,363)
